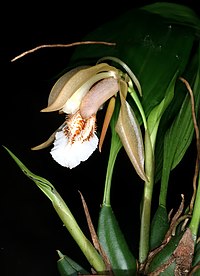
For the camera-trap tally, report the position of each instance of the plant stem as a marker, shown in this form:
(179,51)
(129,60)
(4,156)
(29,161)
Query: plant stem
(114,149)
(195,220)
(148,186)
(147,198)
(85,245)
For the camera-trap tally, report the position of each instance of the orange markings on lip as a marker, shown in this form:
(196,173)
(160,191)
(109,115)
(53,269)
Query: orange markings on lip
(79,129)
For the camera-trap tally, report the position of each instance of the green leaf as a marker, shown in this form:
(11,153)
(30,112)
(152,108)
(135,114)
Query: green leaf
(176,13)
(123,262)
(186,126)
(172,111)
(159,227)
(157,112)
(178,137)
(65,215)
(68,267)
(151,46)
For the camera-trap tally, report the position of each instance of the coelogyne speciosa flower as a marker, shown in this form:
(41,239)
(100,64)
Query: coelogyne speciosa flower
(79,94)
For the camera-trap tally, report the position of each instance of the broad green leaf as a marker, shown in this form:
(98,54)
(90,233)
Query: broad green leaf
(176,13)
(65,215)
(150,46)
(112,239)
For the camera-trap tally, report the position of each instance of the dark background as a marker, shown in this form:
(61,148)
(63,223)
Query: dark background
(31,231)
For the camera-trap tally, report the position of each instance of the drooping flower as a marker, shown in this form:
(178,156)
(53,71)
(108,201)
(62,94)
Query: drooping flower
(79,94)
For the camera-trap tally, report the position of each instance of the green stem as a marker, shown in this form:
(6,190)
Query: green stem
(147,199)
(114,149)
(85,245)
(148,186)
(139,105)
(195,221)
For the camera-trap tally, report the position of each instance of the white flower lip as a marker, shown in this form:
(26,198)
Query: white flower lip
(75,142)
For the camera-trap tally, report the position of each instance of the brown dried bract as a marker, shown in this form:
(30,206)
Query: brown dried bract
(184,254)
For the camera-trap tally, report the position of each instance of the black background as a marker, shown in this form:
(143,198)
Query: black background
(31,231)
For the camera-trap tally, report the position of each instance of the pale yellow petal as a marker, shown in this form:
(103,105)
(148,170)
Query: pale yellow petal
(62,91)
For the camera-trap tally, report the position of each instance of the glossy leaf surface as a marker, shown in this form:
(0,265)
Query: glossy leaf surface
(112,239)
(149,45)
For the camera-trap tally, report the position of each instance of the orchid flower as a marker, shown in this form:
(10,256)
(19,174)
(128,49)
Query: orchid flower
(80,93)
